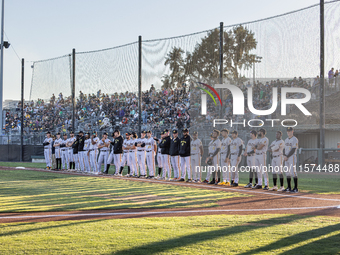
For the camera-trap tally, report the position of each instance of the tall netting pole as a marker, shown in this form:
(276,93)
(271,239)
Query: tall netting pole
(322,82)
(2,63)
(139,84)
(73,88)
(22,111)
(221,66)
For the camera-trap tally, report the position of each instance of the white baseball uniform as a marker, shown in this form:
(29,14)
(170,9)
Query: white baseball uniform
(69,143)
(291,143)
(133,157)
(125,158)
(251,158)
(141,156)
(103,155)
(213,145)
(57,148)
(195,158)
(234,158)
(261,161)
(64,155)
(150,155)
(277,154)
(224,165)
(94,155)
(87,146)
(48,151)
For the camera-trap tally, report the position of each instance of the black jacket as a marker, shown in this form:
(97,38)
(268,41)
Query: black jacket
(174,146)
(81,143)
(53,148)
(165,145)
(184,149)
(118,145)
(75,146)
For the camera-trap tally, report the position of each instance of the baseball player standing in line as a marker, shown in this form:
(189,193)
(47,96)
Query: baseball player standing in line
(236,147)
(225,151)
(133,154)
(110,158)
(140,144)
(174,154)
(214,156)
(64,153)
(126,159)
(276,149)
(165,150)
(94,152)
(159,156)
(289,153)
(69,144)
(151,148)
(196,152)
(81,144)
(261,160)
(75,146)
(184,153)
(48,150)
(117,151)
(103,145)
(56,145)
(87,146)
(250,154)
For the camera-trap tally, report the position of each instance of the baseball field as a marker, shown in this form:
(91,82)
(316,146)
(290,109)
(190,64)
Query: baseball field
(45,212)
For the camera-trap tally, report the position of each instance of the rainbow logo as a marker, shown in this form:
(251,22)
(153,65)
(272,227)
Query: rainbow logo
(212,89)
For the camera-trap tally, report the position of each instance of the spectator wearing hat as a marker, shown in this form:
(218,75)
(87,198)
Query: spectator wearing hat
(174,154)
(184,153)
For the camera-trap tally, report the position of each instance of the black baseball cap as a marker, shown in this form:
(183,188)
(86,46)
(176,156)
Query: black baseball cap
(64,134)
(144,132)
(105,133)
(87,134)
(48,132)
(166,131)
(225,130)
(81,132)
(133,133)
(290,129)
(116,131)
(174,131)
(195,133)
(148,131)
(127,133)
(234,132)
(58,133)
(185,130)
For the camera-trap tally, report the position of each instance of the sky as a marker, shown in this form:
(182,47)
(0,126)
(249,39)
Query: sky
(42,29)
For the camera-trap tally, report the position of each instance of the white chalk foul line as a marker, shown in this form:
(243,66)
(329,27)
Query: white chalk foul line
(165,212)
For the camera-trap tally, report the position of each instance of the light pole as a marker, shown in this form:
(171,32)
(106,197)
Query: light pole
(257,59)
(6,45)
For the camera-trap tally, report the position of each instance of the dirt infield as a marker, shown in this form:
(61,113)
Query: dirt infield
(260,202)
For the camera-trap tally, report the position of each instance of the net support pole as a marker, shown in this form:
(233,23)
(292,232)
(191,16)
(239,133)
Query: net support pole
(221,67)
(139,84)
(2,63)
(322,81)
(22,111)
(73,88)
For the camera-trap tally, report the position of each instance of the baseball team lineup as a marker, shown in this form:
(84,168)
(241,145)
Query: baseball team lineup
(179,157)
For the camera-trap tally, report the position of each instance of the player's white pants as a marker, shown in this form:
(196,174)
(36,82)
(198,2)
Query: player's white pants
(103,156)
(133,163)
(64,158)
(87,161)
(260,163)
(110,158)
(234,161)
(251,164)
(117,161)
(225,168)
(48,156)
(57,152)
(185,167)
(213,168)
(166,165)
(159,160)
(196,166)
(93,161)
(175,165)
(70,155)
(277,163)
(76,161)
(141,162)
(290,167)
(125,159)
(150,161)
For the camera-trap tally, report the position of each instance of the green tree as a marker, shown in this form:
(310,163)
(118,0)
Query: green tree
(175,61)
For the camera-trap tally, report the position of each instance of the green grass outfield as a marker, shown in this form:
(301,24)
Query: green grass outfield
(319,183)
(217,234)
(28,191)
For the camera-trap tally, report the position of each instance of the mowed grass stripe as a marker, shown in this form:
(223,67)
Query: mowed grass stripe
(218,234)
(27,191)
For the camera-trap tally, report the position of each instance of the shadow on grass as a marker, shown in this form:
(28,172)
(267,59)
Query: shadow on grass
(163,246)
